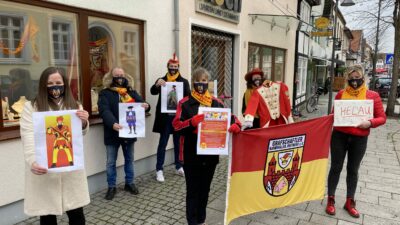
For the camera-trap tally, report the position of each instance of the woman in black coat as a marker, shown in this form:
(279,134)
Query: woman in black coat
(199,169)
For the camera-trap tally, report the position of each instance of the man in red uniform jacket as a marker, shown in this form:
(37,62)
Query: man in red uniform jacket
(271,102)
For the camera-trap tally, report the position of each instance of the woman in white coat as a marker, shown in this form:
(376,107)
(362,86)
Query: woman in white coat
(51,194)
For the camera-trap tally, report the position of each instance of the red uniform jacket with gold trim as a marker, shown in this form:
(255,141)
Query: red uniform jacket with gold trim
(272,103)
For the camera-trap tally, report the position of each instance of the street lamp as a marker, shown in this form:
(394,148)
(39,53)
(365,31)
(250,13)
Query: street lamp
(336,5)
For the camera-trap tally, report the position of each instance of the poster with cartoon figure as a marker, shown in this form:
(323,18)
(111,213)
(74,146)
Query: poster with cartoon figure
(171,94)
(132,120)
(58,140)
(213,135)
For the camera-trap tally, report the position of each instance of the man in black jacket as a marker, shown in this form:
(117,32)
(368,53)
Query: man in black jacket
(163,121)
(118,89)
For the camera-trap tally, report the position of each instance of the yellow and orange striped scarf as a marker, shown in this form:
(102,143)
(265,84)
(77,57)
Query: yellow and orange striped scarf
(172,78)
(123,93)
(357,94)
(204,99)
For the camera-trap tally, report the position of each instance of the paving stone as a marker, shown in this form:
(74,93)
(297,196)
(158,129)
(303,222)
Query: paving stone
(389,202)
(372,220)
(295,213)
(315,218)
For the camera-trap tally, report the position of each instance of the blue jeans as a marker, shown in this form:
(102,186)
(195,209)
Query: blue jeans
(112,155)
(162,144)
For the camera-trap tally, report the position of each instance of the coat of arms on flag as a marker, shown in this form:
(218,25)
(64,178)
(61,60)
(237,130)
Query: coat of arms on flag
(278,166)
(283,164)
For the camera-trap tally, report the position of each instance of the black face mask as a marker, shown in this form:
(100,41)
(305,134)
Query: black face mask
(200,88)
(120,81)
(257,82)
(355,83)
(55,91)
(172,71)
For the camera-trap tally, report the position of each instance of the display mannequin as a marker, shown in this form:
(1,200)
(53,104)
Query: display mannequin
(4,107)
(19,105)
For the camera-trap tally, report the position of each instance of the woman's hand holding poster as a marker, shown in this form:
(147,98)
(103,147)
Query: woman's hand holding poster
(132,120)
(350,113)
(58,140)
(213,135)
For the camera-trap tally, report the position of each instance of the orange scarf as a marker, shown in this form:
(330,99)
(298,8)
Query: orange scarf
(204,99)
(123,93)
(172,78)
(357,94)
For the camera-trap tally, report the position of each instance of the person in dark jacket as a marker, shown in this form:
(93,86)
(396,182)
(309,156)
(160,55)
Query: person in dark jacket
(199,169)
(351,141)
(254,79)
(118,89)
(163,121)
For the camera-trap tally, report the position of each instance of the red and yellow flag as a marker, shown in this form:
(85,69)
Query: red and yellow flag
(278,166)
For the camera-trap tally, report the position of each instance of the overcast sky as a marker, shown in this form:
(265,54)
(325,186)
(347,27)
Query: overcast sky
(357,18)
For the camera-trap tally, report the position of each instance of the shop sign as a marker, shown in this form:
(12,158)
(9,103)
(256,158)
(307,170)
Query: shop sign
(322,23)
(326,33)
(224,9)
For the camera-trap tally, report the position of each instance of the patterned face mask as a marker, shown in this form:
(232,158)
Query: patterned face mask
(120,81)
(200,87)
(55,91)
(355,83)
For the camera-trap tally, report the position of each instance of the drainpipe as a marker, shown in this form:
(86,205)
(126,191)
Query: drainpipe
(176,27)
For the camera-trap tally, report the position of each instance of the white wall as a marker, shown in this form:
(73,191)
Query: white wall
(245,32)
(159,47)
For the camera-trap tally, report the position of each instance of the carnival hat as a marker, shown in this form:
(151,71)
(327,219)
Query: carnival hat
(174,60)
(255,71)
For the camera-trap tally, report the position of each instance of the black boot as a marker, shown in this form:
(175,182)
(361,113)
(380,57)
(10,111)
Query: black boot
(131,188)
(111,193)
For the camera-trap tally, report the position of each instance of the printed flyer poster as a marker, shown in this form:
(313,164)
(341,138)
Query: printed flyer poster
(171,94)
(58,140)
(132,120)
(350,113)
(213,135)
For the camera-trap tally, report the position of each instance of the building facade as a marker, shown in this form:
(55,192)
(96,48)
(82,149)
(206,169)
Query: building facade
(228,38)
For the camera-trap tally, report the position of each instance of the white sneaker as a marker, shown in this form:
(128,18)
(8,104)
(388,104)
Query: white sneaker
(160,176)
(180,172)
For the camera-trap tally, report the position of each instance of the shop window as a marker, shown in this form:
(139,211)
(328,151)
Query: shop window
(112,43)
(271,60)
(61,35)
(10,36)
(301,76)
(38,34)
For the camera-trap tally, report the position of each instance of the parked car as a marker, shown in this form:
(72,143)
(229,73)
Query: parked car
(382,86)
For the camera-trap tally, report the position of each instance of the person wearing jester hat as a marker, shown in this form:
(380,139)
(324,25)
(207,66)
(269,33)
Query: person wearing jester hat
(118,89)
(163,121)
(254,79)
(62,141)
(199,169)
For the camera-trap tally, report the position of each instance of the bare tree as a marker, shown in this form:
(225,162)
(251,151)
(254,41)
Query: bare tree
(393,88)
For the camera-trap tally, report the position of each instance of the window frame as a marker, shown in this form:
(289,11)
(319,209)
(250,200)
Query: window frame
(82,28)
(25,54)
(260,56)
(71,36)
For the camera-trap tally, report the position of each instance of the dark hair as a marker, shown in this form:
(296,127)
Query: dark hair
(42,101)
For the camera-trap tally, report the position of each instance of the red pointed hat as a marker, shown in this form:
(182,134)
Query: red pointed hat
(174,59)
(60,118)
(255,71)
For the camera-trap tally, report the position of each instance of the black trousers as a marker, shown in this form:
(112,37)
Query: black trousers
(75,216)
(354,146)
(198,182)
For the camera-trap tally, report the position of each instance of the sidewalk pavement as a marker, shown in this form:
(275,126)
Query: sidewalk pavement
(378,194)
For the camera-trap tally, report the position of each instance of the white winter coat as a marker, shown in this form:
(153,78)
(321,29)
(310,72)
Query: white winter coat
(51,193)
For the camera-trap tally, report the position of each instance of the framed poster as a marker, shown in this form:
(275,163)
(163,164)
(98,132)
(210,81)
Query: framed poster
(132,120)
(171,94)
(213,135)
(58,140)
(350,113)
